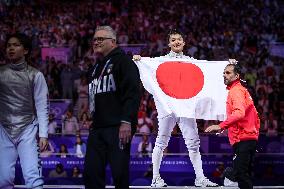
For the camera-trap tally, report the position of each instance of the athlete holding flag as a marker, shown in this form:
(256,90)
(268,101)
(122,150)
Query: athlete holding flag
(167,121)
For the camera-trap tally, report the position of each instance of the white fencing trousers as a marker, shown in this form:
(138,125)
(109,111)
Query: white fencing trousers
(189,131)
(26,148)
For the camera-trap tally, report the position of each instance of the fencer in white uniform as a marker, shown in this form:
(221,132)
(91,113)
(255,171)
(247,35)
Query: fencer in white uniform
(167,122)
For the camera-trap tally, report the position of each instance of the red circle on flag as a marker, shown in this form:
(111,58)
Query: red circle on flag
(180,80)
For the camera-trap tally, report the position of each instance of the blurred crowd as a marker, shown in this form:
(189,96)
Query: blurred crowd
(214,30)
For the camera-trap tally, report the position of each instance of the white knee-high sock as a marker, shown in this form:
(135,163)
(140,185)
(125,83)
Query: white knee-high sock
(195,159)
(156,160)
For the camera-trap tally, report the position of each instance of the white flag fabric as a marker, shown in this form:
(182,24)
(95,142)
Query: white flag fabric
(185,87)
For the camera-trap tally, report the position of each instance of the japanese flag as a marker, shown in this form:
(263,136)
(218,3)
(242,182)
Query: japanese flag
(185,87)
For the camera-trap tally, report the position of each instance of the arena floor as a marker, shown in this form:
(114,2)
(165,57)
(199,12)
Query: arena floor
(148,187)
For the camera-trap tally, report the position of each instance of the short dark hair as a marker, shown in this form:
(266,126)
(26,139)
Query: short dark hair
(23,39)
(237,68)
(173,32)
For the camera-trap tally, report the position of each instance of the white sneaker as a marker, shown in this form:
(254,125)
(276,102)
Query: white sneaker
(228,182)
(158,182)
(205,182)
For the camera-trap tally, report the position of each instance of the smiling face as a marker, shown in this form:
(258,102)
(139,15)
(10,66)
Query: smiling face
(103,42)
(230,75)
(176,43)
(15,50)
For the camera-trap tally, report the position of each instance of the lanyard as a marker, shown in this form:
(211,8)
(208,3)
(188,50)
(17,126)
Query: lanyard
(96,82)
(101,75)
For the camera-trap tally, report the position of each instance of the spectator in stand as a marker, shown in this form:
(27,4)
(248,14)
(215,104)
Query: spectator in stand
(76,173)
(54,74)
(58,172)
(145,147)
(67,82)
(250,77)
(82,91)
(281,120)
(80,147)
(271,125)
(145,124)
(53,91)
(63,151)
(52,125)
(85,123)
(70,125)
(262,118)
(263,101)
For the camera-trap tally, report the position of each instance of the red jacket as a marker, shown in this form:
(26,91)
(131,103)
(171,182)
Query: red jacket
(242,119)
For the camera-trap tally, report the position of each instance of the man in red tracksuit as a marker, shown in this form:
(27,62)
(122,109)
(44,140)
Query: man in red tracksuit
(243,127)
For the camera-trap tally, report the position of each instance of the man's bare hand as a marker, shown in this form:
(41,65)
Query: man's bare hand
(233,61)
(43,143)
(136,57)
(213,128)
(125,132)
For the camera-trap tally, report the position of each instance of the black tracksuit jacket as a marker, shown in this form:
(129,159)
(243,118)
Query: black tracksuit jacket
(117,96)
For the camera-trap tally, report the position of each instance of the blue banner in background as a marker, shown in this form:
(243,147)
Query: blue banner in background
(208,143)
(170,164)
